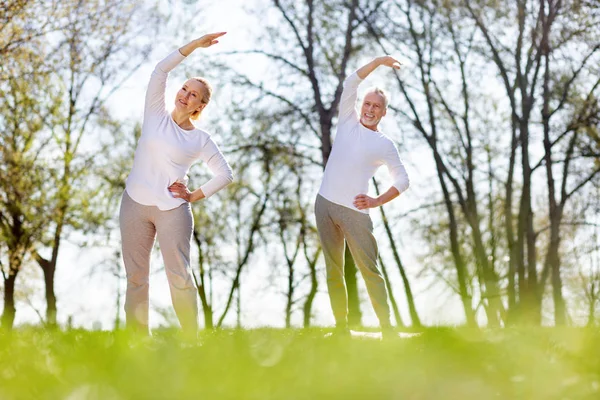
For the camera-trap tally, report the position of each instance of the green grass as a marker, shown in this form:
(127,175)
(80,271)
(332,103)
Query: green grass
(444,363)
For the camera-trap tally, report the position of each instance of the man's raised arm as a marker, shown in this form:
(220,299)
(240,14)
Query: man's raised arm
(387,61)
(348,99)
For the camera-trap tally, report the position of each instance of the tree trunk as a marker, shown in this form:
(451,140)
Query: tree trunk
(399,322)
(290,261)
(530,303)
(459,262)
(206,308)
(560,315)
(592,305)
(208,318)
(495,309)
(49,269)
(525,253)
(235,285)
(290,296)
(201,286)
(8,314)
(118,309)
(15,261)
(326,142)
(307,307)
(512,315)
(414,316)
(555,211)
(239,308)
(431,139)
(50,295)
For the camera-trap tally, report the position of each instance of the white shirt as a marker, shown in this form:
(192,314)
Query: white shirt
(165,152)
(356,155)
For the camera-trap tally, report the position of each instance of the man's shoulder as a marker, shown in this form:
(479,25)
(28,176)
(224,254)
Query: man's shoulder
(383,137)
(387,141)
(348,123)
(353,78)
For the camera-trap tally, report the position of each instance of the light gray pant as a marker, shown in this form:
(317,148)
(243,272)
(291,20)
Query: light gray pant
(139,227)
(336,223)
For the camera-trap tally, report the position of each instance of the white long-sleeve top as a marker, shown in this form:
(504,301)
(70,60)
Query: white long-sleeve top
(357,153)
(165,152)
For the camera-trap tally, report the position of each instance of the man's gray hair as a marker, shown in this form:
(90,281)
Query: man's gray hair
(382,92)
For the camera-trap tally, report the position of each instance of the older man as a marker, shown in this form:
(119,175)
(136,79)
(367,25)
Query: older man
(342,205)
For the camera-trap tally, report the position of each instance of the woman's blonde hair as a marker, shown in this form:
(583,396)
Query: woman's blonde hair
(205,97)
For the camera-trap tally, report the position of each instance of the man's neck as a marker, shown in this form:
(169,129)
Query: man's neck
(373,128)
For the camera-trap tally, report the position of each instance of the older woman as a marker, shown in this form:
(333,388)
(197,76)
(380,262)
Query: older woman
(156,201)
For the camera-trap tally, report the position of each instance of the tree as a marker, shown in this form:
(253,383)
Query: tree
(309,58)
(25,109)
(290,233)
(461,41)
(414,315)
(101,46)
(23,23)
(544,56)
(421,26)
(311,261)
(246,227)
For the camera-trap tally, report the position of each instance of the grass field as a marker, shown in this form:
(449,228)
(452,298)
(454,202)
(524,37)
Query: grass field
(442,363)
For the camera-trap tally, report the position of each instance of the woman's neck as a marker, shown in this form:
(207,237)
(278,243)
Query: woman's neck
(183,120)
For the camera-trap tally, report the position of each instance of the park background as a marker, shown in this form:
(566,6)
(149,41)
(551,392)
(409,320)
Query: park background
(495,114)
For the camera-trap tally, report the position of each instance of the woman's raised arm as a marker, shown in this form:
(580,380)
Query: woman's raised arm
(155,94)
(205,41)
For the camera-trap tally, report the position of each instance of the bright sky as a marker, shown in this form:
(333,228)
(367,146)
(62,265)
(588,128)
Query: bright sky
(87,290)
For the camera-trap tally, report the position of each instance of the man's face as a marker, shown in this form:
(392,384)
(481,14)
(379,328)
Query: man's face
(372,110)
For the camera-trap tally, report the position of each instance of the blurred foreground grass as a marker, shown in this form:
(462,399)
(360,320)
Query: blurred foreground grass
(544,363)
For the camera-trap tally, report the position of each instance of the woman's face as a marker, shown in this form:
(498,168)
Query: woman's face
(189,97)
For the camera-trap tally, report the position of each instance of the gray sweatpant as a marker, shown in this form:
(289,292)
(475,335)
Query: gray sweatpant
(140,225)
(336,223)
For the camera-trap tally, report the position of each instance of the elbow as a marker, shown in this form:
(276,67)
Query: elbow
(162,68)
(228,176)
(402,185)
(158,71)
(351,79)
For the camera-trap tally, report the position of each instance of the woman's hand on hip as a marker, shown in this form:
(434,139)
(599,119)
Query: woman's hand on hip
(363,201)
(180,191)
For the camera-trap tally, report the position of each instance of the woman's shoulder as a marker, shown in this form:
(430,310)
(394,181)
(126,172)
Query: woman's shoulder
(202,136)
(201,133)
